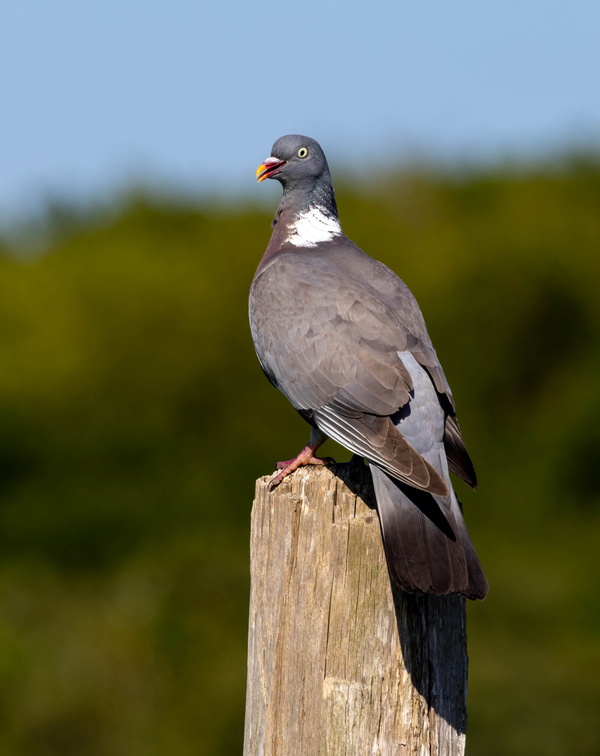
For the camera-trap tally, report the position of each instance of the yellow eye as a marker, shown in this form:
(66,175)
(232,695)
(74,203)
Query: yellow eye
(302,152)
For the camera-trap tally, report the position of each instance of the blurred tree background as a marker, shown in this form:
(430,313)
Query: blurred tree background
(134,419)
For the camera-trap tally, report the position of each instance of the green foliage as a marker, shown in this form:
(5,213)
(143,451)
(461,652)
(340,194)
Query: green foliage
(134,419)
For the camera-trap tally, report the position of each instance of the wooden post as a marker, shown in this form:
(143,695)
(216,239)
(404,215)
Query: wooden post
(339,662)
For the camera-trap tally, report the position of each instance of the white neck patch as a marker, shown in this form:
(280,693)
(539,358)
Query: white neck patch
(313,226)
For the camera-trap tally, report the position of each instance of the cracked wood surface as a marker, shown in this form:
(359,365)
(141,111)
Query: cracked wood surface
(339,662)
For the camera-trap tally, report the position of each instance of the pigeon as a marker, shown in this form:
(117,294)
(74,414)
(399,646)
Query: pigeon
(343,338)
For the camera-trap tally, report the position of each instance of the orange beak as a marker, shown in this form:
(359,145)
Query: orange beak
(269,168)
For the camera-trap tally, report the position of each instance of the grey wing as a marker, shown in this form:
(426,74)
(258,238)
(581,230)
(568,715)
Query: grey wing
(400,299)
(334,347)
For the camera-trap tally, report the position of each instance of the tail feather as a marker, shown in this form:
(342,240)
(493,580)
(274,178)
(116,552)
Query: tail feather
(427,544)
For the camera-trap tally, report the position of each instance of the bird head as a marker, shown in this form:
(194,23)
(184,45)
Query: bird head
(296,161)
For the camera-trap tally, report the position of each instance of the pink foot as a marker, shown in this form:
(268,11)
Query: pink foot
(306,457)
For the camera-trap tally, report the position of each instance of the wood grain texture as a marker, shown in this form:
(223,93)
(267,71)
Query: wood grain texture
(339,661)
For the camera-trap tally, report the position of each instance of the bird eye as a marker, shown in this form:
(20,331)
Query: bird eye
(302,152)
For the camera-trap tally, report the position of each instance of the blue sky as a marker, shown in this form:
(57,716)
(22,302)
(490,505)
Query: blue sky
(97,95)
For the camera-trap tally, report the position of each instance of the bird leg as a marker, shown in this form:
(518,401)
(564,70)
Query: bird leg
(306,457)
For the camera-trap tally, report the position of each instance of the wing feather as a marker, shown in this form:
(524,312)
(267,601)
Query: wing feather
(330,331)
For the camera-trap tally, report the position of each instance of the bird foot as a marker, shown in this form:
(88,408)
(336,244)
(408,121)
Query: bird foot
(306,457)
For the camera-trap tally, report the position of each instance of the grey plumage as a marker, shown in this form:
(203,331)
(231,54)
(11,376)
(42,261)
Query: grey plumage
(344,339)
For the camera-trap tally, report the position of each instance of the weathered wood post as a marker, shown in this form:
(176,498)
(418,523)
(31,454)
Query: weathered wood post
(339,662)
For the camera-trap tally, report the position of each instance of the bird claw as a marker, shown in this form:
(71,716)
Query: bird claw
(311,461)
(305,458)
(273,483)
